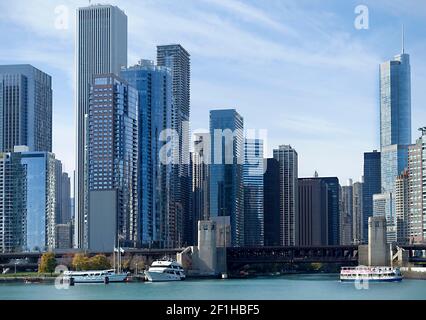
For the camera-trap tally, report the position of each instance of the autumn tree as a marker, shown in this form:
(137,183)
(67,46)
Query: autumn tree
(47,263)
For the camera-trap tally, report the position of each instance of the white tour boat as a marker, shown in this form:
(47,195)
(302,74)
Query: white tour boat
(104,276)
(374,274)
(165,270)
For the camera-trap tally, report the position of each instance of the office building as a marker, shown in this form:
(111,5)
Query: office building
(346,214)
(402,208)
(253,170)
(271,203)
(288,162)
(25,108)
(63,236)
(357,213)
(101,48)
(200,183)
(313,210)
(113,163)
(226,170)
(383,205)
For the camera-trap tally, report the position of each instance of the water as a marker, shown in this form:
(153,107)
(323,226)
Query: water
(306,287)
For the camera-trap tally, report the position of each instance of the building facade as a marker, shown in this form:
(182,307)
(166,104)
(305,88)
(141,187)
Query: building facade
(25,108)
(113,163)
(271,203)
(253,171)
(358,214)
(372,186)
(154,86)
(226,170)
(288,162)
(312,217)
(177,59)
(395,126)
(402,208)
(101,48)
(346,214)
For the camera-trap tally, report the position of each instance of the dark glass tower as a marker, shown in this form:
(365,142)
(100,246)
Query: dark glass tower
(272,202)
(372,186)
(226,170)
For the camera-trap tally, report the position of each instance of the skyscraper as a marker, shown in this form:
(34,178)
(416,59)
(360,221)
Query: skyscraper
(333,190)
(154,86)
(113,163)
(13,207)
(271,202)
(253,170)
(372,186)
(395,127)
(101,49)
(402,208)
(226,170)
(177,59)
(200,183)
(312,216)
(416,232)
(357,213)
(346,214)
(25,108)
(288,162)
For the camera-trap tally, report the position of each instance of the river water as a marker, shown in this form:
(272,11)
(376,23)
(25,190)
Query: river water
(305,287)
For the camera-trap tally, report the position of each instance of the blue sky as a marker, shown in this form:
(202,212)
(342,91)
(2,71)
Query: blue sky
(298,68)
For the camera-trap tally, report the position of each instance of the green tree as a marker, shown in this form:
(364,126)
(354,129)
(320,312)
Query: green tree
(81,262)
(99,262)
(47,263)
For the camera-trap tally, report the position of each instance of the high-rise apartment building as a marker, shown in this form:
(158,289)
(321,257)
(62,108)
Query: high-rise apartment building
(253,170)
(113,163)
(25,108)
(177,59)
(154,86)
(402,208)
(288,162)
(226,170)
(101,48)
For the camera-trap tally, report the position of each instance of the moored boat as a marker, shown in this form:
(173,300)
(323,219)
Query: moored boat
(165,270)
(95,276)
(373,274)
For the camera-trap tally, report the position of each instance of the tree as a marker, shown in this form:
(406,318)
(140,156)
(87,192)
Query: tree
(47,263)
(99,262)
(81,262)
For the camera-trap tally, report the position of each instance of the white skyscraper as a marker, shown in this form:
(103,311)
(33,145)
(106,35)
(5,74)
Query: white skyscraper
(101,48)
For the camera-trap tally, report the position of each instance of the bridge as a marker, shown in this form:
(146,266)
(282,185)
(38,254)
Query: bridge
(265,255)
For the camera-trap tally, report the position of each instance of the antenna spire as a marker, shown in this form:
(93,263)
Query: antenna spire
(403,39)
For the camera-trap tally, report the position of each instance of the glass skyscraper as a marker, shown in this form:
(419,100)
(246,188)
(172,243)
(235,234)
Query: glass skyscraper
(226,170)
(372,186)
(25,108)
(113,163)
(101,49)
(253,170)
(395,127)
(154,86)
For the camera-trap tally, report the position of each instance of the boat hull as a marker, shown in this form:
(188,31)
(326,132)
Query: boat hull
(161,277)
(372,280)
(98,279)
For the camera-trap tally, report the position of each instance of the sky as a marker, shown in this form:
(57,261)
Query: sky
(300,69)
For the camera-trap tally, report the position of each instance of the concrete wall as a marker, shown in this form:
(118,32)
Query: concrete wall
(378,248)
(102,220)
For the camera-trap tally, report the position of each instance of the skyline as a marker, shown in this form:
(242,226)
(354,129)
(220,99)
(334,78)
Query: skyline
(351,80)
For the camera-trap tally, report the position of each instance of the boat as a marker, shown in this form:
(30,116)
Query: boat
(165,270)
(95,276)
(373,274)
